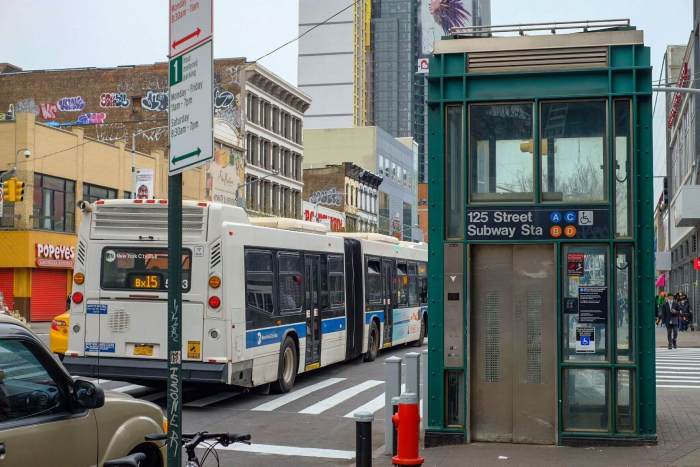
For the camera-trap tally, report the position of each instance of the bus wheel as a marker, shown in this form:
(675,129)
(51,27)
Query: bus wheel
(372,343)
(421,336)
(287,367)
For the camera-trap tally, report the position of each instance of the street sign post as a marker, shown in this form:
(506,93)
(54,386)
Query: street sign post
(191,125)
(191,24)
(191,109)
(2,199)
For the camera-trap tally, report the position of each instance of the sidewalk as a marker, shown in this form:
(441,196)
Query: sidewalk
(685,339)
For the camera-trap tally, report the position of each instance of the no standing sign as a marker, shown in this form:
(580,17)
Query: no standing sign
(191,110)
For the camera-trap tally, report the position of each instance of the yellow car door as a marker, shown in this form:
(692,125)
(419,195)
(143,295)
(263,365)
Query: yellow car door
(40,422)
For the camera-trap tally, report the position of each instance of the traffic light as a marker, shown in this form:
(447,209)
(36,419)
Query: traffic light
(8,188)
(19,190)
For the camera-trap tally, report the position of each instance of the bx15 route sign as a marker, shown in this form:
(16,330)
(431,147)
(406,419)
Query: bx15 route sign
(191,109)
(191,24)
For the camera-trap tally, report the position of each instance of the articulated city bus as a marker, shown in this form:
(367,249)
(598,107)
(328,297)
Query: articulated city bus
(263,298)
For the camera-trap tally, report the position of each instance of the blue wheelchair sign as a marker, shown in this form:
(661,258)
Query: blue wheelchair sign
(585,340)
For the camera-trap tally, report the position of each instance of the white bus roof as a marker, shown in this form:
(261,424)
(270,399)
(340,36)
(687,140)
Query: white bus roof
(285,223)
(371,236)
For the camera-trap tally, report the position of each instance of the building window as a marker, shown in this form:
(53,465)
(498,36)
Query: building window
(126,194)
(622,149)
(54,203)
(92,193)
(502,166)
(573,151)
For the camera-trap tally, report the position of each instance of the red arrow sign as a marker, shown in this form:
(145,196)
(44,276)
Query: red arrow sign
(178,42)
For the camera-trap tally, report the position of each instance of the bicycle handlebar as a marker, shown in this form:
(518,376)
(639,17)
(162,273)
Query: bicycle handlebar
(223,438)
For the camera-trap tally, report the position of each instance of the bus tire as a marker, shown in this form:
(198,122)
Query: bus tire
(421,336)
(287,367)
(372,342)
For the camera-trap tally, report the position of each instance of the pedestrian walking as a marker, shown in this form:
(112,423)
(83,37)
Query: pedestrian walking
(686,312)
(660,300)
(671,314)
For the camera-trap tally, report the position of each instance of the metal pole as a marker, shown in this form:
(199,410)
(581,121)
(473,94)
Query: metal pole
(413,373)
(392,369)
(133,165)
(363,438)
(424,392)
(174,408)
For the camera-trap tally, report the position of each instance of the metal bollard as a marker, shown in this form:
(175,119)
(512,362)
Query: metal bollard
(424,392)
(394,410)
(413,373)
(363,438)
(392,388)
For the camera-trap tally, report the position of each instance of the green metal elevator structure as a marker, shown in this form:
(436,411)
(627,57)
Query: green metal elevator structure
(541,255)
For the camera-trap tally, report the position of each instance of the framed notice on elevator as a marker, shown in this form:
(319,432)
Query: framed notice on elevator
(593,305)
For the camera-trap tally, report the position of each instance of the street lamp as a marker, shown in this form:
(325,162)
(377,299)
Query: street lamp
(13,171)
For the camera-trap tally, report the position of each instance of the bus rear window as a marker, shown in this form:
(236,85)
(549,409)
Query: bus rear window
(143,269)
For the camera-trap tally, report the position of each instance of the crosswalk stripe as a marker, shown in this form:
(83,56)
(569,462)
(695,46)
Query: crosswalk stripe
(297,394)
(342,396)
(372,406)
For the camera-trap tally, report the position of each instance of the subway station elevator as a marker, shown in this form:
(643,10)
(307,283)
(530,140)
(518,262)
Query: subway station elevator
(541,261)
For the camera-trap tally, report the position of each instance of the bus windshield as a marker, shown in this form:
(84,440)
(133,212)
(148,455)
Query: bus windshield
(128,268)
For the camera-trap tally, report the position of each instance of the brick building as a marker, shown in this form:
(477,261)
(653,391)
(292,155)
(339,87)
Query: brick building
(346,188)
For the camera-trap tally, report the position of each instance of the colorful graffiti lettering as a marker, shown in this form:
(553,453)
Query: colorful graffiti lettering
(329,196)
(48,111)
(26,105)
(156,101)
(71,104)
(91,118)
(113,99)
(222,99)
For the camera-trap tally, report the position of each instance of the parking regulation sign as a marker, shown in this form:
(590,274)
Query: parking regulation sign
(191,24)
(191,109)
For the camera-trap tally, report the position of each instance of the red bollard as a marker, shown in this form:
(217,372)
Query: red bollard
(407,423)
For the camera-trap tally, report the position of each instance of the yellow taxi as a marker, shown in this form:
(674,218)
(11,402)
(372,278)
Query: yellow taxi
(58,336)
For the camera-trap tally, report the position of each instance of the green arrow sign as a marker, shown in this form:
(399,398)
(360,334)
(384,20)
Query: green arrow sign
(196,152)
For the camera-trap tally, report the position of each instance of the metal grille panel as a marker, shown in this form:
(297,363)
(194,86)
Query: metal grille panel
(534,337)
(119,321)
(215,255)
(491,349)
(538,59)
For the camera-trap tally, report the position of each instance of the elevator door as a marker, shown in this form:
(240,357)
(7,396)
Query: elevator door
(513,348)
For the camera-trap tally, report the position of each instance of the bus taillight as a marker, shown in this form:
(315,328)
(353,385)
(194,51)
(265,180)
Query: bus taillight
(214,302)
(77,298)
(214,282)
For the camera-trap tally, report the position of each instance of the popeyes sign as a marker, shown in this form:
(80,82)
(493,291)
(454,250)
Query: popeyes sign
(54,256)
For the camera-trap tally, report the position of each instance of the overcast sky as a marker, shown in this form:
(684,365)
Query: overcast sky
(77,33)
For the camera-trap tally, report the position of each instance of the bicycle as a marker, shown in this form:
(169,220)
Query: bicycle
(191,441)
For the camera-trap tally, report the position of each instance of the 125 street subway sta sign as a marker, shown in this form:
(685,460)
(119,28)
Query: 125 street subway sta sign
(540,223)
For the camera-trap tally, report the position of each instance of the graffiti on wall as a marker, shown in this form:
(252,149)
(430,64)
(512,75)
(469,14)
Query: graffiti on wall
(48,110)
(114,100)
(227,107)
(329,196)
(71,104)
(155,101)
(111,132)
(89,118)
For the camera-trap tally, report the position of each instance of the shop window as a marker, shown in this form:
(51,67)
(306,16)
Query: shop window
(586,399)
(501,152)
(624,276)
(622,149)
(291,284)
(573,151)
(585,303)
(54,203)
(92,193)
(454,175)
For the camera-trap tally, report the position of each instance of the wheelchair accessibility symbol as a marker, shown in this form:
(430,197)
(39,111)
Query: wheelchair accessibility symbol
(585,340)
(585,218)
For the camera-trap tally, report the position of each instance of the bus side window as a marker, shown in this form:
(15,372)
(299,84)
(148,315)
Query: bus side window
(291,282)
(423,283)
(402,284)
(324,302)
(259,284)
(375,292)
(412,285)
(336,280)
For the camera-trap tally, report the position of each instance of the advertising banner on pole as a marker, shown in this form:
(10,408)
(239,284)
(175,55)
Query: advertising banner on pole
(144,184)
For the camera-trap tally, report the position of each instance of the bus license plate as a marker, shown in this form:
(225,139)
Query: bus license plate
(143,350)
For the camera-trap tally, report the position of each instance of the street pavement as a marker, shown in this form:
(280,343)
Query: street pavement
(312,425)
